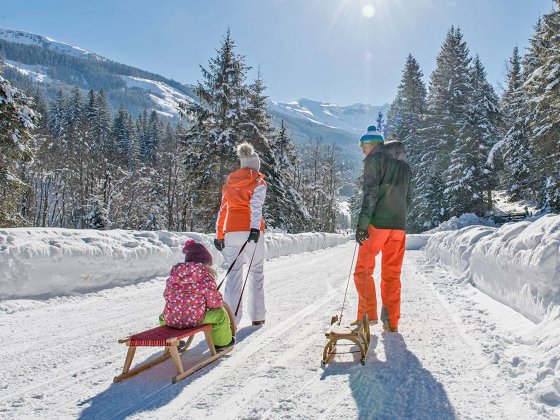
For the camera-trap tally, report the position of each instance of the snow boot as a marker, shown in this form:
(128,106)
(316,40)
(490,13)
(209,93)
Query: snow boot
(385,321)
(261,322)
(231,343)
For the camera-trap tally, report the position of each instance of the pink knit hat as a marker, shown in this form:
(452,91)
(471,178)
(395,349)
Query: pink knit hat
(196,252)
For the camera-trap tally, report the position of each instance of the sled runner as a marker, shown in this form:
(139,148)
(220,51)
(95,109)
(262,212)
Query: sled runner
(169,339)
(358,334)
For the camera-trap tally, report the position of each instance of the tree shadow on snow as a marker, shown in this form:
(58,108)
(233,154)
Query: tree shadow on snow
(398,388)
(148,390)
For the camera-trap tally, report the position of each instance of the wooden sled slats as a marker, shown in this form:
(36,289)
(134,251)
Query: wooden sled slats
(163,336)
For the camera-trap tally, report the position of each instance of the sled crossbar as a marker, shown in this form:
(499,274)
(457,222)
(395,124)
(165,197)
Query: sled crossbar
(169,339)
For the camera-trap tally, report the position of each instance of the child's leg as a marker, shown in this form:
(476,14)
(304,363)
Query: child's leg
(221,333)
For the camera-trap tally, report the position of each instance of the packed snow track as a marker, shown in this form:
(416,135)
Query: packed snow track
(59,356)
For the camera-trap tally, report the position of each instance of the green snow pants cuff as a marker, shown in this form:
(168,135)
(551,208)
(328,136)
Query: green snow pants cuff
(221,332)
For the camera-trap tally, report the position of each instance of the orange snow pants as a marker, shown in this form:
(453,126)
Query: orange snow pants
(391,244)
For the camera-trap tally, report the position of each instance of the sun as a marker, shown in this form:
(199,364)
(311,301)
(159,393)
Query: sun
(368,10)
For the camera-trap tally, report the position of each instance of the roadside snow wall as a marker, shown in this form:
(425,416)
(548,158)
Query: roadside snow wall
(517,264)
(49,262)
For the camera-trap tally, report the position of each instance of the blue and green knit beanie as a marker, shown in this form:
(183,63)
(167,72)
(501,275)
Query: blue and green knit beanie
(372,136)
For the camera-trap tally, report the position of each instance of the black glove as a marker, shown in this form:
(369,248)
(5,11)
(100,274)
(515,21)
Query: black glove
(254,235)
(361,236)
(219,244)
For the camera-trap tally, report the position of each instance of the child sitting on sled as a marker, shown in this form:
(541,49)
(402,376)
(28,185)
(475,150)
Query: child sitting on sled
(192,298)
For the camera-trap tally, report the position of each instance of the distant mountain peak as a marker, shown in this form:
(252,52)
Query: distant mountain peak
(27,38)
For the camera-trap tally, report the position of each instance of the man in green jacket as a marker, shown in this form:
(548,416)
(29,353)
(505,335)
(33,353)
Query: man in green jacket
(381,227)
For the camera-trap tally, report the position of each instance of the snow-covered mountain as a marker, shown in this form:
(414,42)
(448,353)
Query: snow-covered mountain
(27,38)
(38,61)
(353,118)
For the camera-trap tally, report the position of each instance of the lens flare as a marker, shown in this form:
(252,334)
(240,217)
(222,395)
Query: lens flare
(368,10)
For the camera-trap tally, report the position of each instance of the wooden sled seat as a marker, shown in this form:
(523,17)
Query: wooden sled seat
(342,330)
(168,338)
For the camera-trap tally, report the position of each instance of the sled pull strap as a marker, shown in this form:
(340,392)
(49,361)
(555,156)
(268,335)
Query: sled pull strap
(347,283)
(246,277)
(232,264)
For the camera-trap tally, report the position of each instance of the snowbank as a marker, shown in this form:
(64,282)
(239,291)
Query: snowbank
(414,242)
(517,264)
(456,223)
(48,262)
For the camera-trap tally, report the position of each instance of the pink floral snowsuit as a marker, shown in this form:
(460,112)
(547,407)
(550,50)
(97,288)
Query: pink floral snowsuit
(190,291)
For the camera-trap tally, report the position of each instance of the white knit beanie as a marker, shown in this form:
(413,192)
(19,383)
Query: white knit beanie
(247,156)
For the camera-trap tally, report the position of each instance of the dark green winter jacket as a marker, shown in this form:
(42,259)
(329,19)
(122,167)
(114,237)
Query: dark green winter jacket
(386,188)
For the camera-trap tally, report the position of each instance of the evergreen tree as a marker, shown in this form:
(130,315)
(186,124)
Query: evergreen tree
(404,123)
(356,200)
(380,123)
(97,217)
(517,155)
(218,125)
(469,176)
(17,121)
(447,106)
(542,88)
(102,127)
(121,143)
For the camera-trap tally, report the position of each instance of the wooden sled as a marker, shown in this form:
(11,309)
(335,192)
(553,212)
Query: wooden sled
(169,338)
(358,334)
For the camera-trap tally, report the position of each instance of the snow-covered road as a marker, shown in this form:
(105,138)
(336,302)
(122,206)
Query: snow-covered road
(59,356)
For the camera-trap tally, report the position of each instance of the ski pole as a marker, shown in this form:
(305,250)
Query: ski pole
(246,277)
(232,264)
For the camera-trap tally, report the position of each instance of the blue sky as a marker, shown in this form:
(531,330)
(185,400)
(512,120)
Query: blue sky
(342,51)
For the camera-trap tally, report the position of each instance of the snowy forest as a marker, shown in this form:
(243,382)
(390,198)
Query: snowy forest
(71,162)
(463,140)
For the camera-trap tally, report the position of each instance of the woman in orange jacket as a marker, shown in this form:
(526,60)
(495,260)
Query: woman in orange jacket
(239,221)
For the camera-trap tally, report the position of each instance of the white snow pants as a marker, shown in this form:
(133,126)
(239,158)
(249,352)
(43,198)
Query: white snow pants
(255,283)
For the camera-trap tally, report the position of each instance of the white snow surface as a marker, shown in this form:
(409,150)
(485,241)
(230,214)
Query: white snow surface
(459,354)
(353,118)
(35,72)
(503,204)
(165,96)
(51,262)
(517,264)
(455,223)
(27,38)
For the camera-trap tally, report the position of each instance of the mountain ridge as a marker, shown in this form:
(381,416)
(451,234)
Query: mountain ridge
(37,61)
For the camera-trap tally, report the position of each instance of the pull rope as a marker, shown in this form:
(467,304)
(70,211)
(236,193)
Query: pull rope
(347,283)
(246,277)
(232,264)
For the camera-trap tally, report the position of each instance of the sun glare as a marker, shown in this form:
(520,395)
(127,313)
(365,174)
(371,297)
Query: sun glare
(368,10)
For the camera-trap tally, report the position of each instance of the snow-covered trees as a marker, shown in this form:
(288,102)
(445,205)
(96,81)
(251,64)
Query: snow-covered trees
(515,147)
(531,147)
(217,127)
(405,120)
(542,103)
(231,111)
(17,120)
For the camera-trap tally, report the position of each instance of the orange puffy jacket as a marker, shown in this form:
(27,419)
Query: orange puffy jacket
(242,201)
